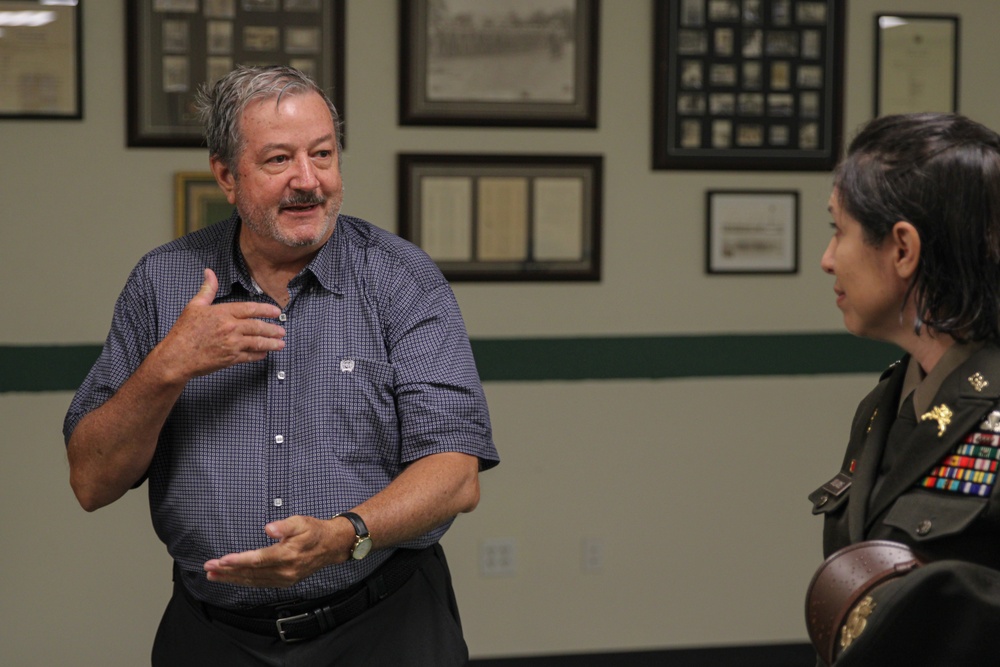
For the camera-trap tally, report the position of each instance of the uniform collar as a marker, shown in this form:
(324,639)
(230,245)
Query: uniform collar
(925,386)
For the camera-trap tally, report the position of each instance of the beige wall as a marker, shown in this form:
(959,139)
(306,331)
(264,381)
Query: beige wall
(696,488)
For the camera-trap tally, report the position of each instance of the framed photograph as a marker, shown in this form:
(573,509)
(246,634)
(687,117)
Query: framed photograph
(40,61)
(753,231)
(504,217)
(530,63)
(748,84)
(198,202)
(176,46)
(916,63)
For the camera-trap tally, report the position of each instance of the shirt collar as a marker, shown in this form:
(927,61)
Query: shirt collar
(232,270)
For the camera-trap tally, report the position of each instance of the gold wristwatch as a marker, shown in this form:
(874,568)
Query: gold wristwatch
(363,542)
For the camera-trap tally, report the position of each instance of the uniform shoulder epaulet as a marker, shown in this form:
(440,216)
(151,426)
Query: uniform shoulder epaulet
(887,372)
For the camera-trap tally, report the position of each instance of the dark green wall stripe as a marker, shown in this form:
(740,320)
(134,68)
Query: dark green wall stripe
(32,368)
(679,356)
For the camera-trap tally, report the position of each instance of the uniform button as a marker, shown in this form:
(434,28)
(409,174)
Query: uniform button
(281,375)
(279,439)
(924,527)
(278,502)
(822,500)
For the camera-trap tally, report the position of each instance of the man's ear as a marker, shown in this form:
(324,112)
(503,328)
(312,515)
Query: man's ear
(224,177)
(906,248)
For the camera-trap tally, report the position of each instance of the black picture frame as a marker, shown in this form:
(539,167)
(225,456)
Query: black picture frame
(748,84)
(537,69)
(43,62)
(504,217)
(751,232)
(175,46)
(923,59)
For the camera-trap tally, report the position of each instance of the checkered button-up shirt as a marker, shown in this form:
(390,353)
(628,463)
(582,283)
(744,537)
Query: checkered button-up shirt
(376,372)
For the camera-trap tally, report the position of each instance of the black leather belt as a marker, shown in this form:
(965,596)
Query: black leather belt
(301,620)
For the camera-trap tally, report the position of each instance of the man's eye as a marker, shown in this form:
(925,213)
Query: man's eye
(278,159)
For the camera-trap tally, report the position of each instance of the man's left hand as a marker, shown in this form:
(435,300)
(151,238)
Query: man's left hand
(305,545)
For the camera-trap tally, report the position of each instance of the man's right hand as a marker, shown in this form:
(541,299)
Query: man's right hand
(208,337)
(112,446)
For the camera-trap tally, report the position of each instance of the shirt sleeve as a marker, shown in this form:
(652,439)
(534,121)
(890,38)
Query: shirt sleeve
(129,340)
(440,399)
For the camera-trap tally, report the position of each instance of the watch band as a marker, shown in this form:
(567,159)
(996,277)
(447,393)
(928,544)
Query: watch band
(360,529)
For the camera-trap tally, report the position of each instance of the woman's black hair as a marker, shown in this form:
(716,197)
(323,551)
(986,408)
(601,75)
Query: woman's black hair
(941,173)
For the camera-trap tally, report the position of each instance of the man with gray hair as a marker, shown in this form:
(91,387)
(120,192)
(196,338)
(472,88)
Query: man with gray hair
(298,388)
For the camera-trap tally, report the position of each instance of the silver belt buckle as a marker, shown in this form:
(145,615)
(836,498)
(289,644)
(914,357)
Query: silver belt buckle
(281,630)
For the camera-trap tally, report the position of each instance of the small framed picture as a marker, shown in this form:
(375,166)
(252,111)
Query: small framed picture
(916,63)
(752,231)
(504,217)
(529,63)
(198,202)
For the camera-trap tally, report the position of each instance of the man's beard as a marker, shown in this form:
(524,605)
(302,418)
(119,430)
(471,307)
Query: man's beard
(264,222)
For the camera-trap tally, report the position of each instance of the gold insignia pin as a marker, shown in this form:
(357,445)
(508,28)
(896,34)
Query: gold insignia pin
(978,382)
(856,621)
(942,414)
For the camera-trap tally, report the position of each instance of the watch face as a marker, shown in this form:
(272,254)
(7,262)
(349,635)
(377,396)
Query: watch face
(362,548)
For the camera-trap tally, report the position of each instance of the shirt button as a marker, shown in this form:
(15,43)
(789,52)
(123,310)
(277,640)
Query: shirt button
(281,375)
(279,439)
(283,317)
(924,527)
(278,502)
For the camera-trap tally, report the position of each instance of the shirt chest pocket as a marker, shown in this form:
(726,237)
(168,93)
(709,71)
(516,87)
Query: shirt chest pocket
(927,516)
(362,410)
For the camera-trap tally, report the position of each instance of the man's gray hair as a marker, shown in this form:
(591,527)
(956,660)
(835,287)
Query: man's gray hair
(221,106)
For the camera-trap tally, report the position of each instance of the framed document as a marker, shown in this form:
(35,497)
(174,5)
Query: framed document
(40,60)
(529,63)
(198,202)
(748,84)
(916,63)
(504,217)
(175,46)
(754,231)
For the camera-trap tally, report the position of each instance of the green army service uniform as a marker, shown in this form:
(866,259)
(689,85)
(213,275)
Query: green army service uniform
(921,472)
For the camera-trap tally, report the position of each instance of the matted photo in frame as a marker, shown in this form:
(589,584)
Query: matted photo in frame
(916,63)
(748,84)
(529,63)
(41,61)
(176,46)
(752,231)
(198,202)
(504,217)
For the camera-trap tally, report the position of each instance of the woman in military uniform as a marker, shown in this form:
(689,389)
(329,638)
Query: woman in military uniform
(912,519)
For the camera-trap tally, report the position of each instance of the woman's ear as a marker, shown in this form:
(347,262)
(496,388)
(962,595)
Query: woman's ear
(906,248)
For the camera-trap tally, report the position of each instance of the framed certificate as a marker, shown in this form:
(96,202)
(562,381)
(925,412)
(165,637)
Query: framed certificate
(916,63)
(504,217)
(752,231)
(41,61)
